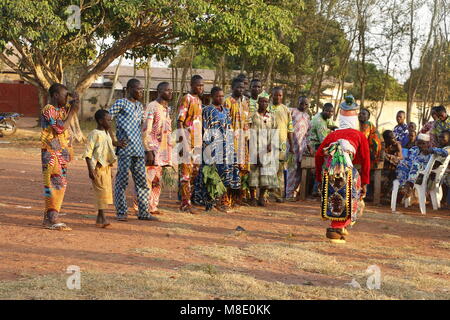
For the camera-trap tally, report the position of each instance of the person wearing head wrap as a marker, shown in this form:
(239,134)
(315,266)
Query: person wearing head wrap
(342,187)
(416,160)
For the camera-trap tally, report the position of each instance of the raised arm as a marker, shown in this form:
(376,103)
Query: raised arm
(60,125)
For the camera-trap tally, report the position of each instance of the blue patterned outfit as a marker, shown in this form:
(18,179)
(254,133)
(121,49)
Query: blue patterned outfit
(408,169)
(218,138)
(129,118)
(401,134)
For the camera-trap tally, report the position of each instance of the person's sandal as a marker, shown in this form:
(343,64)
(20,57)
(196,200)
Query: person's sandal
(58,226)
(148,218)
(103,225)
(122,218)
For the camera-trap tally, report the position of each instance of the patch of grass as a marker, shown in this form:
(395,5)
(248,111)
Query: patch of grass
(306,259)
(151,251)
(443,244)
(198,284)
(396,219)
(421,287)
(390,236)
(220,252)
(282,214)
(383,251)
(425,265)
(180,231)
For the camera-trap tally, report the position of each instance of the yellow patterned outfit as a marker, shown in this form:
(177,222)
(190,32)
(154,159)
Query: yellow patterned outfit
(190,114)
(56,153)
(100,150)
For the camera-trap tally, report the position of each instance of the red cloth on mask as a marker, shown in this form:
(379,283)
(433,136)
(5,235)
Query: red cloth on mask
(362,157)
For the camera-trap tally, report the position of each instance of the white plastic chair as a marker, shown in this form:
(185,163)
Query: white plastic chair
(430,177)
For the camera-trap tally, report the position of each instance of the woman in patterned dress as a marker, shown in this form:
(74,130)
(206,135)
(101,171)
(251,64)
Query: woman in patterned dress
(56,151)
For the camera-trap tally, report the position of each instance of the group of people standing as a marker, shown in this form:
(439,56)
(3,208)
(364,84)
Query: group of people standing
(250,141)
(237,150)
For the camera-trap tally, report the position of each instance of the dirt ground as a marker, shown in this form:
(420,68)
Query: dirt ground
(282,254)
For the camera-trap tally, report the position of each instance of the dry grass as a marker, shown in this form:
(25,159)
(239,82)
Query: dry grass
(422,265)
(303,256)
(420,277)
(443,244)
(151,251)
(220,252)
(207,282)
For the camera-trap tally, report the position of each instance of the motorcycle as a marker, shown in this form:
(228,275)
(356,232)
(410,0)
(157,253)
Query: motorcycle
(8,124)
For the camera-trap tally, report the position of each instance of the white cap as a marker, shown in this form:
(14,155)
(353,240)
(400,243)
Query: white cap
(423,137)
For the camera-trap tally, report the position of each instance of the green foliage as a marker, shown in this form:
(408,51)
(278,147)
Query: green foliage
(203,62)
(213,182)
(322,42)
(375,84)
(139,28)
(432,77)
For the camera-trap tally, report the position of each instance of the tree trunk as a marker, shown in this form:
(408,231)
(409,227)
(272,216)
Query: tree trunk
(116,76)
(216,75)
(222,72)
(269,73)
(412,87)
(319,87)
(388,64)
(147,77)
(183,79)
(244,62)
(149,87)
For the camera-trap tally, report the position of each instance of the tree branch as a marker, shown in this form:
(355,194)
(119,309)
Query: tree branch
(138,38)
(22,74)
